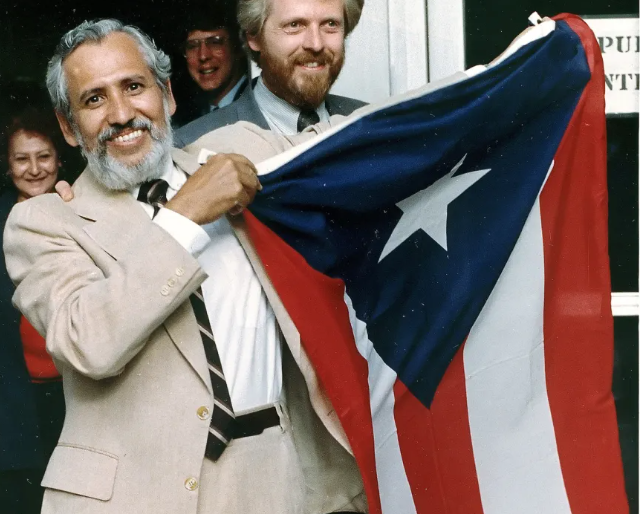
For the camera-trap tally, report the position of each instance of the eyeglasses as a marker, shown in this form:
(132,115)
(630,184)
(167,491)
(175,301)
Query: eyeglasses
(213,43)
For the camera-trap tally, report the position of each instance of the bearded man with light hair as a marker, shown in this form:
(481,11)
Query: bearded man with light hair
(183,393)
(300,47)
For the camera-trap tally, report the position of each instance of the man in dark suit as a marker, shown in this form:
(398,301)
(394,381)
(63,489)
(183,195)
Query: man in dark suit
(216,64)
(299,44)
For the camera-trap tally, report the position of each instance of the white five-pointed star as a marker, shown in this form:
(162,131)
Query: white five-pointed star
(427,209)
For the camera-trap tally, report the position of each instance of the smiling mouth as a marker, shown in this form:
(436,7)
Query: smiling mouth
(312,65)
(208,72)
(127,137)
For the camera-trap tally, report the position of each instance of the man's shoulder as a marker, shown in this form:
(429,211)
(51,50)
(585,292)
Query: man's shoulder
(44,201)
(344,105)
(46,208)
(50,209)
(222,117)
(210,121)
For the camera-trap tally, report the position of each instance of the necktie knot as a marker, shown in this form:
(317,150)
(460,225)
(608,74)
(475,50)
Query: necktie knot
(307,118)
(154,193)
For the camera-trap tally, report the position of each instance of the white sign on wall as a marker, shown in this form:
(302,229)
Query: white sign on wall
(619,40)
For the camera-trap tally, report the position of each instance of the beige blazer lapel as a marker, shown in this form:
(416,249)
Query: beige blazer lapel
(111,210)
(108,209)
(319,400)
(185,161)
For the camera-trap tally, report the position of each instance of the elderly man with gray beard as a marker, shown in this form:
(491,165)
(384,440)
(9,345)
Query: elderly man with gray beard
(183,395)
(300,47)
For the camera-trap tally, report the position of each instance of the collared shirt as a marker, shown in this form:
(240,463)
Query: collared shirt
(242,320)
(230,96)
(281,116)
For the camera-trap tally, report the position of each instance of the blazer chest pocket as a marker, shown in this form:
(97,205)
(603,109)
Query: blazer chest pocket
(82,471)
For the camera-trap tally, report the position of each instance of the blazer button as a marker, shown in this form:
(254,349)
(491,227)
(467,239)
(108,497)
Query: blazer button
(191,484)
(203,412)
(164,291)
(172,282)
(179,271)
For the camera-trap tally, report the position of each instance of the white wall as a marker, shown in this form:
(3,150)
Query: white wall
(387,51)
(366,71)
(445,37)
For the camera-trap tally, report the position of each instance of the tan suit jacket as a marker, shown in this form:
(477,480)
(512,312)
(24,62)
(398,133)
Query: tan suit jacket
(110,289)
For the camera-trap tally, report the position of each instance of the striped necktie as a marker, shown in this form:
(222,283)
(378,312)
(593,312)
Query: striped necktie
(222,418)
(154,193)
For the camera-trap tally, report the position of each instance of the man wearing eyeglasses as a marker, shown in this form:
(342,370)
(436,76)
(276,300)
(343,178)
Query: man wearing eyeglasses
(214,58)
(300,47)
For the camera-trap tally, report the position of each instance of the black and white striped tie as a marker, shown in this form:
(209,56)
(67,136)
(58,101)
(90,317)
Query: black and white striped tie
(154,193)
(222,417)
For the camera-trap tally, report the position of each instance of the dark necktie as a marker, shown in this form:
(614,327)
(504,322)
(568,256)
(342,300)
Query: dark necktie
(222,417)
(154,193)
(307,118)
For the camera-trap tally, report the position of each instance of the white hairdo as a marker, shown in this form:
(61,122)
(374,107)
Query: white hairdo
(95,31)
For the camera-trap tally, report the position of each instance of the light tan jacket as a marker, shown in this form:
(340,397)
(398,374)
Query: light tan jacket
(110,289)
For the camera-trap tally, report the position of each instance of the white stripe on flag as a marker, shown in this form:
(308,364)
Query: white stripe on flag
(395,492)
(512,432)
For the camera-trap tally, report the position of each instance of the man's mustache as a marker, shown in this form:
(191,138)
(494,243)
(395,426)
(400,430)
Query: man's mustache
(116,129)
(322,58)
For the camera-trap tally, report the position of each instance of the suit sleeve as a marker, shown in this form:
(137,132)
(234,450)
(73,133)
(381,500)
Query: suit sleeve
(97,312)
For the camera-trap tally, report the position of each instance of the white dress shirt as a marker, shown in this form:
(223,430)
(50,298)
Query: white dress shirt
(281,116)
(242,321)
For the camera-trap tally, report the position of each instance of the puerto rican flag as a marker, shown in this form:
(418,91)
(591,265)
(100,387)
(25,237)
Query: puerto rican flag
(444,258)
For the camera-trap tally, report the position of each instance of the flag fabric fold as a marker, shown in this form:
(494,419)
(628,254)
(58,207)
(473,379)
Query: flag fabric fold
(444,258)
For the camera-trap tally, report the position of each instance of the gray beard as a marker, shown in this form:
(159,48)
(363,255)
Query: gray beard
(117,176)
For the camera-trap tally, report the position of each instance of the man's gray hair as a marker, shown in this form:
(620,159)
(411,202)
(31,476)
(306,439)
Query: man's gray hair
(253,13)
(95,31)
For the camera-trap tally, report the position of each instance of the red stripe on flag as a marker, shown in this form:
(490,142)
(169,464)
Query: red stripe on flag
(453,439)
(436,446)
(316,305)
(578,325)
(418,449)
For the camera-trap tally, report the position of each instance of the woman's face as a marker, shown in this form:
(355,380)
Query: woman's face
(33,164)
